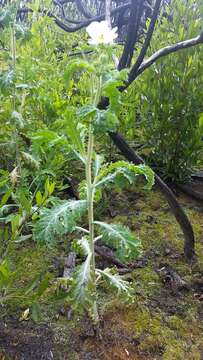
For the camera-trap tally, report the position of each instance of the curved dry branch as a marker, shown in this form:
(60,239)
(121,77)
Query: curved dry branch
(168,50)
(85,23)
(82,9)
(134,22)
(177,210)
(146,42)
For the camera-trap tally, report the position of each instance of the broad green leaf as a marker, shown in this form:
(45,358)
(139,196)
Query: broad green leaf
(5,197)
(4,272)
(6,275)
(43,285)
(24,201)
(201,122)
(47,138)
(111,88)
(36,312)
(15,222)
(39,198)
(49,187)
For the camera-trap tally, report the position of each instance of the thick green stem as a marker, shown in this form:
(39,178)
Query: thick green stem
(90,182)
(90,195)
(90,200)
(15,135)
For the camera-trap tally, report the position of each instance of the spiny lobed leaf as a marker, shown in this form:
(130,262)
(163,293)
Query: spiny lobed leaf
(73,67)
(29,160)
(81,290)
(6,275)
(127,170)
(110,88)
(98,161)
(58,220)
(115,281)
(75,130)
(127,246)
(102,120)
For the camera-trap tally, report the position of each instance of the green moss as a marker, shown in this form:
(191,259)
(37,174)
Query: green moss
(177,324)
(29,266)
(169,336)
(174,351)
(146,281)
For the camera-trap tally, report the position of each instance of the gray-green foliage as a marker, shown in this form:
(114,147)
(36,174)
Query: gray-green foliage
(58,220)
(116,172)
(126,244)
(115,281)
(82,293)
(62,218)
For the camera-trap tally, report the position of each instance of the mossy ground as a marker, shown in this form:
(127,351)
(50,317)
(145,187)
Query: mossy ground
(159,324)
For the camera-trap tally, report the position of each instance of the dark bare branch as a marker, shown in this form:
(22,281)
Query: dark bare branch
(176,209)
(82,9)
(134,22)
(146,44)
(168,50)
(85,23)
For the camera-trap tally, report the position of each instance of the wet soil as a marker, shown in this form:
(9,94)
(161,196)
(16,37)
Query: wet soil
(27,341)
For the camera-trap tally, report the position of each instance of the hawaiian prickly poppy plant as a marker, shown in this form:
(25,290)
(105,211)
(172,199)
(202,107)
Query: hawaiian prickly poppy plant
(64,216)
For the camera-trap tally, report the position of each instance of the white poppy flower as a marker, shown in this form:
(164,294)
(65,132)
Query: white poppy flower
(100,33)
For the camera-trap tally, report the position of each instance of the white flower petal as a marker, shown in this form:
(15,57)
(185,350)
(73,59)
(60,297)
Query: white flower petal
(93,28)
(104,24)
(100,33)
